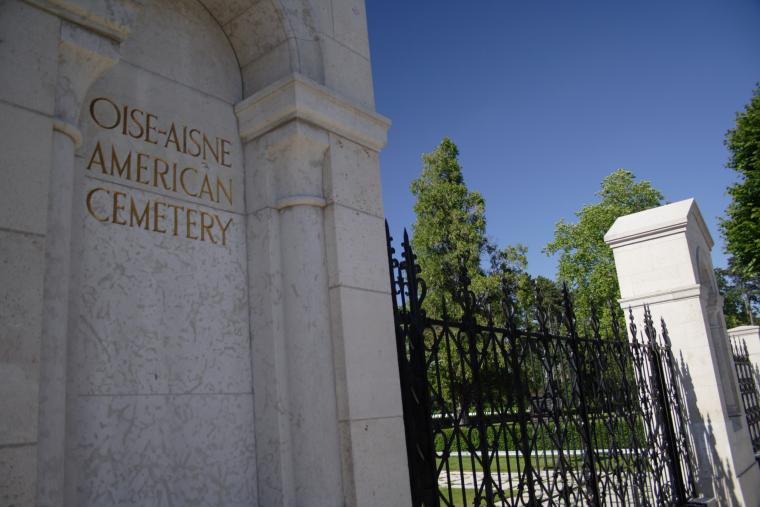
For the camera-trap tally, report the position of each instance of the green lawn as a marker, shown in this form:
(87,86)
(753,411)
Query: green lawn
(506,464)
(458,500)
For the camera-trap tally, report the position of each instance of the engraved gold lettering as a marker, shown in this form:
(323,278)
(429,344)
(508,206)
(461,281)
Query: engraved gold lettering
(213,149)
(160,173)
(135,218)
(206,227)
(125,123)
(171,137)
(176,209)
(138,123)
(224,228)
(225,153)
(206,189)
(150,128)
(117,207)
(126,167)
(156,215)
(195,141)
(182,180)
(95,117)
(97,153)
(141,166)
(89,203)
(190,222)
(168,175)
(220,189)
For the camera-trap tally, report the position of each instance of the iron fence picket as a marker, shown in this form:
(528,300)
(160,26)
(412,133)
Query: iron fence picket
(538,413)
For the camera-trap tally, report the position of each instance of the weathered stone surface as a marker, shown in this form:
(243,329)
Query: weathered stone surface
(162,450)
(25,157)
(21,268)
(195,52)
(160,313)
(18,466)
(28,56)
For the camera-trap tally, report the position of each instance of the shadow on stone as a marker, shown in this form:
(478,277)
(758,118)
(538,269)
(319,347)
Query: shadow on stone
(714,477)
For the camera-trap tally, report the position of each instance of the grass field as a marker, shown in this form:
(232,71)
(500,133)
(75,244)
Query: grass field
(458,500)
(506,464)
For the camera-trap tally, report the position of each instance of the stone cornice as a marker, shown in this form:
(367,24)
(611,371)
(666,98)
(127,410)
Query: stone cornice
(688,292)
(656,232)
(674,218)
(744,331)
(299,98)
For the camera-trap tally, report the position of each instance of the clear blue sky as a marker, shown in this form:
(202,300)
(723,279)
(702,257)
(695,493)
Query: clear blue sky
(545,98)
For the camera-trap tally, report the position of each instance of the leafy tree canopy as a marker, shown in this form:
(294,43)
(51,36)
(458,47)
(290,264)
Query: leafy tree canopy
(586,263)
(741,228)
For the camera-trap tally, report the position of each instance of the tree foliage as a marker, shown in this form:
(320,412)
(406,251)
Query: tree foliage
(741,297)
(449,233)
(586,263)
(741,228)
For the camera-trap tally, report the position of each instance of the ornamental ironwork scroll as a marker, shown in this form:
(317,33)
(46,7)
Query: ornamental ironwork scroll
(513,406)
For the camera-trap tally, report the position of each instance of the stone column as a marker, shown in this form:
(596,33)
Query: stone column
(662,257)
(749,335)
(328,415)
(84,56)
(87,47)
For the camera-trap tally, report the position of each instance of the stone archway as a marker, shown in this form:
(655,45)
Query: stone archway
(282,91)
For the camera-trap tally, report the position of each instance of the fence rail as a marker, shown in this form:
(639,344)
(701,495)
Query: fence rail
(531,412)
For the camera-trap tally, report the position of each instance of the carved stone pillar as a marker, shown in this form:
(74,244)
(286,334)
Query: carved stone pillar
(88,47)
(329,427)
(662,257)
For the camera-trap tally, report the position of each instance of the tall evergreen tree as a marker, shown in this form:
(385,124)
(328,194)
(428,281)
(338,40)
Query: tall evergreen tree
(450,228)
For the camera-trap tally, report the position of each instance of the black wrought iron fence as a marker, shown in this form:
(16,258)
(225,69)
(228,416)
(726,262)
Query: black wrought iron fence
(745,371)
(531,412)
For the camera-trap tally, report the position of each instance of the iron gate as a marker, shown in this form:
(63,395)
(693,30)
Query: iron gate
(529,412)
(745,372)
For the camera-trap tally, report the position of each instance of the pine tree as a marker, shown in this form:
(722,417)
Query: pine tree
(449,234)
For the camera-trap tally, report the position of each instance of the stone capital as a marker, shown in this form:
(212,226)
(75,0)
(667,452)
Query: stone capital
(83,57)
(91,33)
(297,97)
(659,222)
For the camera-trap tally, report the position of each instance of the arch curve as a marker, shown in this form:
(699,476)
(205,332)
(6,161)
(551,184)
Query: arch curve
(272,38)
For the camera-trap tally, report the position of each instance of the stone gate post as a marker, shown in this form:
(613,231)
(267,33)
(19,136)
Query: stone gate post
(662,257)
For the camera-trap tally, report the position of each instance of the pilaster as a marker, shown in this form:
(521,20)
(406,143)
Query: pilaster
(328,407)
(85,51)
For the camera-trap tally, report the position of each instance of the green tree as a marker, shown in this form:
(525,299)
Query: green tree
(586,263)
(741,297)
(450,228)
(741,228)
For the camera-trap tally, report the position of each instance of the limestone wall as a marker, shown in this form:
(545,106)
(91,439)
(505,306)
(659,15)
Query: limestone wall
(195,307)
